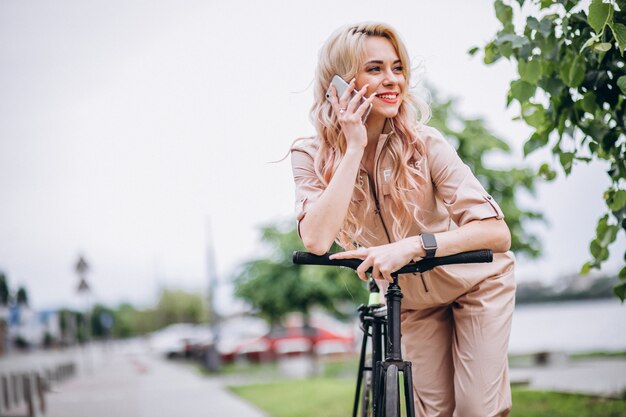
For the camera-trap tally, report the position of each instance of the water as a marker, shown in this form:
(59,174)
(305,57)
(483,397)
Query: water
(578,326)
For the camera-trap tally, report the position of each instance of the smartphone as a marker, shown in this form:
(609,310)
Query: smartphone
(341,86)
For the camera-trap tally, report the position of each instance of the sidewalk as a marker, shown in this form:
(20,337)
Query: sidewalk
(603,377)
(139,385)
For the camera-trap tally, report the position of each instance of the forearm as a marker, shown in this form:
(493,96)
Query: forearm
(324,219)
(479,234)
(491,234)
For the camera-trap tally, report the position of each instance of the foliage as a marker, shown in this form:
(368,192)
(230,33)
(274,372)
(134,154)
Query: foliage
(4,290)
(474,143)
(177,306)
(102,321)
(572,91)
(22,296)
(274,286)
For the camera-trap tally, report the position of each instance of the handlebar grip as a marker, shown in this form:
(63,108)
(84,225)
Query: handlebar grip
(306,258)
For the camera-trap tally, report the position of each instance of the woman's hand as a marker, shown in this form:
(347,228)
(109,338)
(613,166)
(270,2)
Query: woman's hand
(350,112)
(384,259)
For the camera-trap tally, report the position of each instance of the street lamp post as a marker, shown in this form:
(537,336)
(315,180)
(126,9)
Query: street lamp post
(212,360)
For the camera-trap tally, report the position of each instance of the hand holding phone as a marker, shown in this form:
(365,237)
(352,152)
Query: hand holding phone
(340,87)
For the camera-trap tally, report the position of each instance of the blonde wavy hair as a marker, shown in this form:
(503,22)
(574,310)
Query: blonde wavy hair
(344,54)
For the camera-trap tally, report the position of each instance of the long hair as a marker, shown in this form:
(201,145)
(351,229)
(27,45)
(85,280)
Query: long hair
(343,54)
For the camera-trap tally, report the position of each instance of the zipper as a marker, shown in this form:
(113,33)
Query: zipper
(423,282)
(374,188)
(377,211)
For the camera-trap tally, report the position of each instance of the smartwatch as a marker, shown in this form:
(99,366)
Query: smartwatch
(429,243)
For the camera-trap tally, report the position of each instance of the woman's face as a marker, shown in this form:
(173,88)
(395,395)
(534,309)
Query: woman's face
(383,71)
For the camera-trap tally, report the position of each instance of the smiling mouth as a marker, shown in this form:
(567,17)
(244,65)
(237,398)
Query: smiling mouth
(388,98)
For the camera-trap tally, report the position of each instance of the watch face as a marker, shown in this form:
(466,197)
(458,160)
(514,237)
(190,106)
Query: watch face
(429,241)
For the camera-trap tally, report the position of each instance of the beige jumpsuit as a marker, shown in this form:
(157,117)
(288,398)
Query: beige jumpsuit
(456,319)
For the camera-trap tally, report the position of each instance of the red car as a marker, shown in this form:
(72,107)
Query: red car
(292,341)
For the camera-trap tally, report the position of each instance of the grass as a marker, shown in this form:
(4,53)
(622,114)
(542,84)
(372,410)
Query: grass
(599,354)
(332,397)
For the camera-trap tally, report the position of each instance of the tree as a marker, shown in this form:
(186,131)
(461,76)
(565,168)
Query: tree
(4,290)
(474,142)
(572,91)
(275,287)
(177,306)
(22,297)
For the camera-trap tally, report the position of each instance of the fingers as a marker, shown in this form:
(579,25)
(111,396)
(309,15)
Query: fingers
(350,254)
(353,104)
(362,269)
(365,105)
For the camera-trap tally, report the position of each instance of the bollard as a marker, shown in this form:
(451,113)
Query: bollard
(15,388)
(28,395)
(41,390)
(4,381)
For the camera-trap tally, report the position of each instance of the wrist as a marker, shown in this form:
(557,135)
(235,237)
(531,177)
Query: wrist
(417,250)
(355,150)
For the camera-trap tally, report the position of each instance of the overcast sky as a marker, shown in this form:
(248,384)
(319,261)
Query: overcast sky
(126,125)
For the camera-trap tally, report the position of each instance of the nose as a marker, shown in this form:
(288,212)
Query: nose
(391,78)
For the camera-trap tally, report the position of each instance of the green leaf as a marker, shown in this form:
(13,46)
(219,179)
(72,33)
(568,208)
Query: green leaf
(534,115)
(602,226)
(622,5)
(618,200)
(546,172)
(530,71)
(535,142)
(602,47)
(576,74)
(506,49)
(545,26)
(620,291)
(621,83)
(588,103)
(504,13)
(515,40)
(585,269)
(522,91)
(566,159)
(598,15)
(491,53)
(532,23)
(622,274)
(619,31)
(472,51)
(595,248)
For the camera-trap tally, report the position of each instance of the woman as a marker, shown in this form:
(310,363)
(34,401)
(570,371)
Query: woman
(391,190)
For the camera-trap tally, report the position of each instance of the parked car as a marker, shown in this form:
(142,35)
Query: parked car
(291,341)
(180,339)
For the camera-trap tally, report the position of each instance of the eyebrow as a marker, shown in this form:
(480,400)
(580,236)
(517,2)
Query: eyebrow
(397,61)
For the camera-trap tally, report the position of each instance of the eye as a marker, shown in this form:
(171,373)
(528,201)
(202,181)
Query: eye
(398,68)
(373,69)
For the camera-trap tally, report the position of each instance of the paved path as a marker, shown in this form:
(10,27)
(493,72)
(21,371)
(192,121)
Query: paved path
(137,385)
(590,376)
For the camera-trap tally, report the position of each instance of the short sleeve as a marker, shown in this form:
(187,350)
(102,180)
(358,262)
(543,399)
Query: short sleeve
(308,186)
(462,194)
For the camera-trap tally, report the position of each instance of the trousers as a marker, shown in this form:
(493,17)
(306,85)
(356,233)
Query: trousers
(459,352)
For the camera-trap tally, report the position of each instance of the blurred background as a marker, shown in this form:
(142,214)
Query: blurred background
(138,195)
